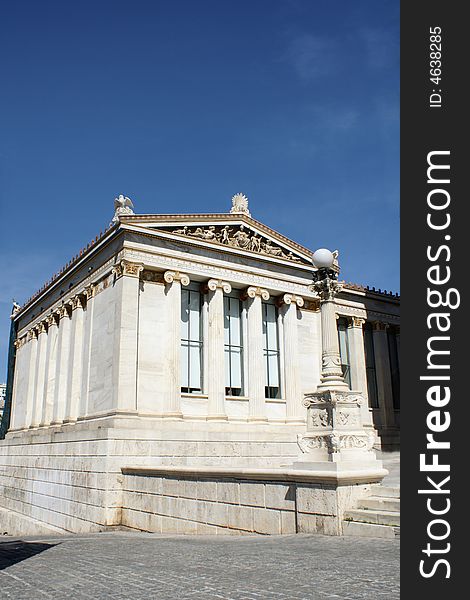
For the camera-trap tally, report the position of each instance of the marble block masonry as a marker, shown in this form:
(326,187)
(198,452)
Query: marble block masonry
(197,374)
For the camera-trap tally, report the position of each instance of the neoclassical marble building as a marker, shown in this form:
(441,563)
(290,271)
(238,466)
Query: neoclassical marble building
(178,341)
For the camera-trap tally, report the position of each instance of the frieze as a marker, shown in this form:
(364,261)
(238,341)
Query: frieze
(332,398)
(214,271)
(334,442)
(237,236)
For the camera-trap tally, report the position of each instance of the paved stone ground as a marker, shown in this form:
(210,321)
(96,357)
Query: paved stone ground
(138,566)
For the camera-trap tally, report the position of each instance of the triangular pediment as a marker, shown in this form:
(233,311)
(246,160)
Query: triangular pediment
(230,231)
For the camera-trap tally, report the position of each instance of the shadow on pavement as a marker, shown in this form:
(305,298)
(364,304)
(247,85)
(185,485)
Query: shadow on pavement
(17,550)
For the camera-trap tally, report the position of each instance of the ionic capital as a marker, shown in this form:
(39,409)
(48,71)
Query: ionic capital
(172,276)
(287,299)
(357,322)
(32,334)
(253,291)
(51,320)
(75,303)
(379,326)
(62,311)
(213,284)
(128,268)
(41,327)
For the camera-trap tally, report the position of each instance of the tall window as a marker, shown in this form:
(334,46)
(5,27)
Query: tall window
(271,351)
(191,341)
(233,346)
(394,365)
(344,349)
(370,366)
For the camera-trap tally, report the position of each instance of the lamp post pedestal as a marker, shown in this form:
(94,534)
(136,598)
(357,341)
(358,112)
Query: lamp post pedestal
(335,440)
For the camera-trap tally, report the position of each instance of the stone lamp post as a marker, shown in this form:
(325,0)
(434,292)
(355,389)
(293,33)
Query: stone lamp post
(336,439)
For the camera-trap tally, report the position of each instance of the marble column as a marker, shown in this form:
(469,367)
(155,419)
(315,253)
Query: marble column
(358,365)
(40,375)
(382,371)
(62,366)
(51,359)
(33,340)
(127,289)
(216,349)
(89,295)
(74,379)
(295,411)
(256,361)
(174,280)
(20,383)
(332,373)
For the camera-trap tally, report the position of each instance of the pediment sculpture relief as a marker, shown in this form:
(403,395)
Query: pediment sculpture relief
(237,237)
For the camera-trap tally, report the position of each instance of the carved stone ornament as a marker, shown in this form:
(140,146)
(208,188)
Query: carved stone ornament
(152,276)
(51,320)
(357,321)
(32,334)
(238,236)
(334,442)
(253,291)
(76,302)
(122,206)
(332,398)
(240,204)
(290,299)
(171,276)
(321,418)
(62,311)
(327,288)
(213,284)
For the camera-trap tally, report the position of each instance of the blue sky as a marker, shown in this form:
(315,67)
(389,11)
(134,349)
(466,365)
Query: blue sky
(179,105)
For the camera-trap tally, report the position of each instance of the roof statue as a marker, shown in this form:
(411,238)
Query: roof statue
(240,205)
(122,206)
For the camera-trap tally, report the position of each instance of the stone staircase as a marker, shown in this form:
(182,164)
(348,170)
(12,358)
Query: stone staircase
(376,515)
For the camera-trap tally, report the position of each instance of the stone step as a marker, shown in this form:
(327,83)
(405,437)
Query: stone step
(354,528)
(380,503)
(376,517)
(386,491)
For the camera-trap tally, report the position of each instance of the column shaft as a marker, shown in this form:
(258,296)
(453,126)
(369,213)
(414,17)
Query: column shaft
(358,366)
(293,394)
(127,289)
(172,406)
(256,366)
(216,349)
(62,367)
(40,376)
(49,383)
(31,378)
(74,379)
